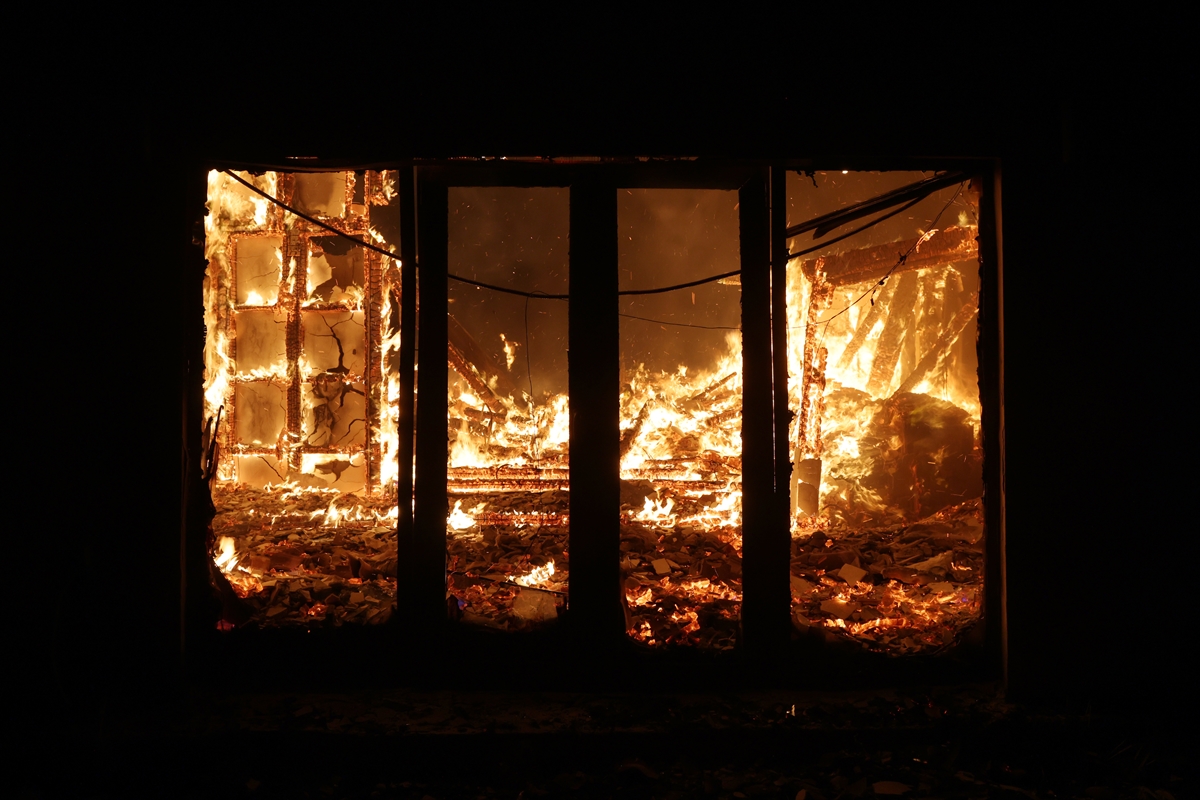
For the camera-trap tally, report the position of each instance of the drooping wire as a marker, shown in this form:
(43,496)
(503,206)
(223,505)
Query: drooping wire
(307,218)
(683,324)
(376,249)
(535,294)
(661,289)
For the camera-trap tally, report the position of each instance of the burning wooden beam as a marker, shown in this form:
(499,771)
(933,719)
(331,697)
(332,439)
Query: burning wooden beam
(878,311)
(476,366)
(943,247)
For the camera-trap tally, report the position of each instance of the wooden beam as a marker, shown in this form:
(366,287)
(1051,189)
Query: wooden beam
(990,347)
(405,427)
(765,592)
(899,319)
(425,571)
(779,336)
(596,608)
(947,246)
(949,336)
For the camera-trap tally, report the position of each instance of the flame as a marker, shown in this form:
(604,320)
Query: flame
(510,349)
(830,353)
(538,575)
(226,559)
(642,598)
(458,519)
(677,426)
(657,513)
(243,581)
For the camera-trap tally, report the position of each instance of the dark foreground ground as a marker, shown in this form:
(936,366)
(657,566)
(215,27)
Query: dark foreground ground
(962,742)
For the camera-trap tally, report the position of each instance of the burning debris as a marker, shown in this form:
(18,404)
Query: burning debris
(902,589)
(887,517)
(308,557)
(508,562)
(301,394)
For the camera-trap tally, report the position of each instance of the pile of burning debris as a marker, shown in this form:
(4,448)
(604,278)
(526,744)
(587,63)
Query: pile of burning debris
(682,572)
(903,589)
(507,558)
(294,556)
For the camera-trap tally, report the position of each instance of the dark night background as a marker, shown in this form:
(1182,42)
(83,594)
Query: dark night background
(1091,147)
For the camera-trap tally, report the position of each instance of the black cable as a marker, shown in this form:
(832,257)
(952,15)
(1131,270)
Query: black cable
(387,253)
(628,292)
(835,219)
(709,279)
(837,239)
(313,220)
(535,294)
(682,324)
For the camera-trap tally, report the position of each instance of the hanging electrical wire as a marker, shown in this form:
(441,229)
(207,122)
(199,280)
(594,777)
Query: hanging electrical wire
(683,324)
(307,218)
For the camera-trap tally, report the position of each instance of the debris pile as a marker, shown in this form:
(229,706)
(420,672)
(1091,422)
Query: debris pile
(682,573)
(507,558)
(302,559)
(903,589)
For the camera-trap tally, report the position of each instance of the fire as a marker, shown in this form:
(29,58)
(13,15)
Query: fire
(458,519)
(510,352)
(642,598)
(226,560)
(656,512)
(243,581)
(859,386)
(537,576)
(299,356)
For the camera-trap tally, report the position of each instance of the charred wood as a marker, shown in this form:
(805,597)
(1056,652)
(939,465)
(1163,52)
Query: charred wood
(472,353)
(812,387)
(464,368)
(631,433)
(710,395)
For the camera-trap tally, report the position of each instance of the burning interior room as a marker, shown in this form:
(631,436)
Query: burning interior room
(868,328)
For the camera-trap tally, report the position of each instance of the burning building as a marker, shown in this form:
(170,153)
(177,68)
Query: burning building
(686,383)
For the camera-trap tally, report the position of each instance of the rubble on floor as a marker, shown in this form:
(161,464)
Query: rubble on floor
(902,589)
(306,558)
